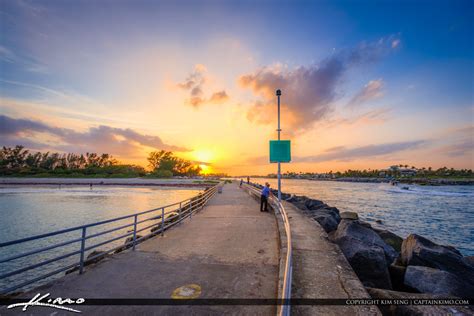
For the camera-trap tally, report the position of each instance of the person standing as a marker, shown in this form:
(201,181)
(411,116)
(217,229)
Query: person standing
(248,180)
(241,182)
(264,197)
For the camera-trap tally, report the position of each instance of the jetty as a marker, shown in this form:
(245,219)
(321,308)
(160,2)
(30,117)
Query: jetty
(227,249)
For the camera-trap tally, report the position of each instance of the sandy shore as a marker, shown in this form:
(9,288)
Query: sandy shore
(102,181)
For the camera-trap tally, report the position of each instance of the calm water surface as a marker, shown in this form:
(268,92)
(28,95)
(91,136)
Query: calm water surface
(444,214)
(31,210)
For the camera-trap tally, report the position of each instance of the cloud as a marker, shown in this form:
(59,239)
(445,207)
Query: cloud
(6,55)
(371,91)
(342,153)
(375,116)
(195,80)
(308,92)
(395,43)
(194,83)
(27,63)
(218,97)
(10,126)
(458,142)
(98,139)
(458,149)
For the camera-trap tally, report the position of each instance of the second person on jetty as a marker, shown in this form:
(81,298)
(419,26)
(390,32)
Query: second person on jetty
(264,197)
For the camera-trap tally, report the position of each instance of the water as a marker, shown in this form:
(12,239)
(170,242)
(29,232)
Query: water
(31,210)
(444,214)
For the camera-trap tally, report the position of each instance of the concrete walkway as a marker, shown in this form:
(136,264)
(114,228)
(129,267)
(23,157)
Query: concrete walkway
(229,249)
(320,270)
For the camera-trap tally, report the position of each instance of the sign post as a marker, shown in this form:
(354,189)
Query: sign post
(280,150)
(278,93)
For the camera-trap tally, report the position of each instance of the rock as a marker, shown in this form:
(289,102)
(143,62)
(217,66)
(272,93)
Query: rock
(368,262)
(470,260)
(327,221)
(349,215)
(314,204)
(299,201)
(419,251)
(285,196)
(390,238)
(156,229)
(415,310)
(366,235)
(125,246)
(365,224)
(327,217)
(328,211)
(397,276)
(434,281)
(378,221)
(293,198)
(171,217)
(367,253)
(332,209)
(100,255)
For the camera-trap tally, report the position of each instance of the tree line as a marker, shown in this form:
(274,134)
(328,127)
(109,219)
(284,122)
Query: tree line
(401,171)
(18,161)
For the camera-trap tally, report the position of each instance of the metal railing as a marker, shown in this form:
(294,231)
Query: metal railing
(156,221)
(285,296)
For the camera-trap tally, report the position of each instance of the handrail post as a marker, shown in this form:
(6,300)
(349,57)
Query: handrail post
(83,246)
(135,232)
(162,221)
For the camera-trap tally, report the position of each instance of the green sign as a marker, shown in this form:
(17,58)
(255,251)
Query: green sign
(280,151)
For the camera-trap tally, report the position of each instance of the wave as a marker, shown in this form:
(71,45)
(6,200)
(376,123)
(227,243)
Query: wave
(411,189)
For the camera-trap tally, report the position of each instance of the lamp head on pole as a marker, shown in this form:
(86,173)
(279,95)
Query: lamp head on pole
(278,92)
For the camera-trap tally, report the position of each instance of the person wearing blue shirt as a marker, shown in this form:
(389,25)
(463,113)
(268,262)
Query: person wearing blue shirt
(264,198)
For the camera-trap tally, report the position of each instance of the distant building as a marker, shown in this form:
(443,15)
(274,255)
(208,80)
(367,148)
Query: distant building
(407,172)
(404,172)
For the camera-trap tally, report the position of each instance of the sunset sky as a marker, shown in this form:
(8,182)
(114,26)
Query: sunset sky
(364,84)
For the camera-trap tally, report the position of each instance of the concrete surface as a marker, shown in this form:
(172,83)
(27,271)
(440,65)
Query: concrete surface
(320,270)
(229,249)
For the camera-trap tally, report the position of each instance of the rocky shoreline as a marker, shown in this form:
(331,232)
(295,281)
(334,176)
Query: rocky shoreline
(407,180)
(420,181)
(388,265)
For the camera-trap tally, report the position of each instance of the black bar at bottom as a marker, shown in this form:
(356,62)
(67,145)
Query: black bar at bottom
(246,301)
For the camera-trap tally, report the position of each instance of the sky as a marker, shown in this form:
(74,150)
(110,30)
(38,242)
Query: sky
(365,84)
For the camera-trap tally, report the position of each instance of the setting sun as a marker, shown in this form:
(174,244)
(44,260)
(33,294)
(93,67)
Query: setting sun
(204,157)
(205,169)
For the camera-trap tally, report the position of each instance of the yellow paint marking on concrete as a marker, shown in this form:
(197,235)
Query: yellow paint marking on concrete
(187,291)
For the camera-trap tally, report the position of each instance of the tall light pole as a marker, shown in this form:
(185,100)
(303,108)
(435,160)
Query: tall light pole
(278,93)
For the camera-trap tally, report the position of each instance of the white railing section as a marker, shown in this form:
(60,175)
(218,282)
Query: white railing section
(285,296)
(20,275)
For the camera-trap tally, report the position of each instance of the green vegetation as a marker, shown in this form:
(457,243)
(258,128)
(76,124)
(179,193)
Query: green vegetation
(165,165)
(395,172)
(19,162)
(206,182)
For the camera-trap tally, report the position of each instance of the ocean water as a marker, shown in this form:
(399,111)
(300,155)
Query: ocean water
(444,214)
(31,210)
